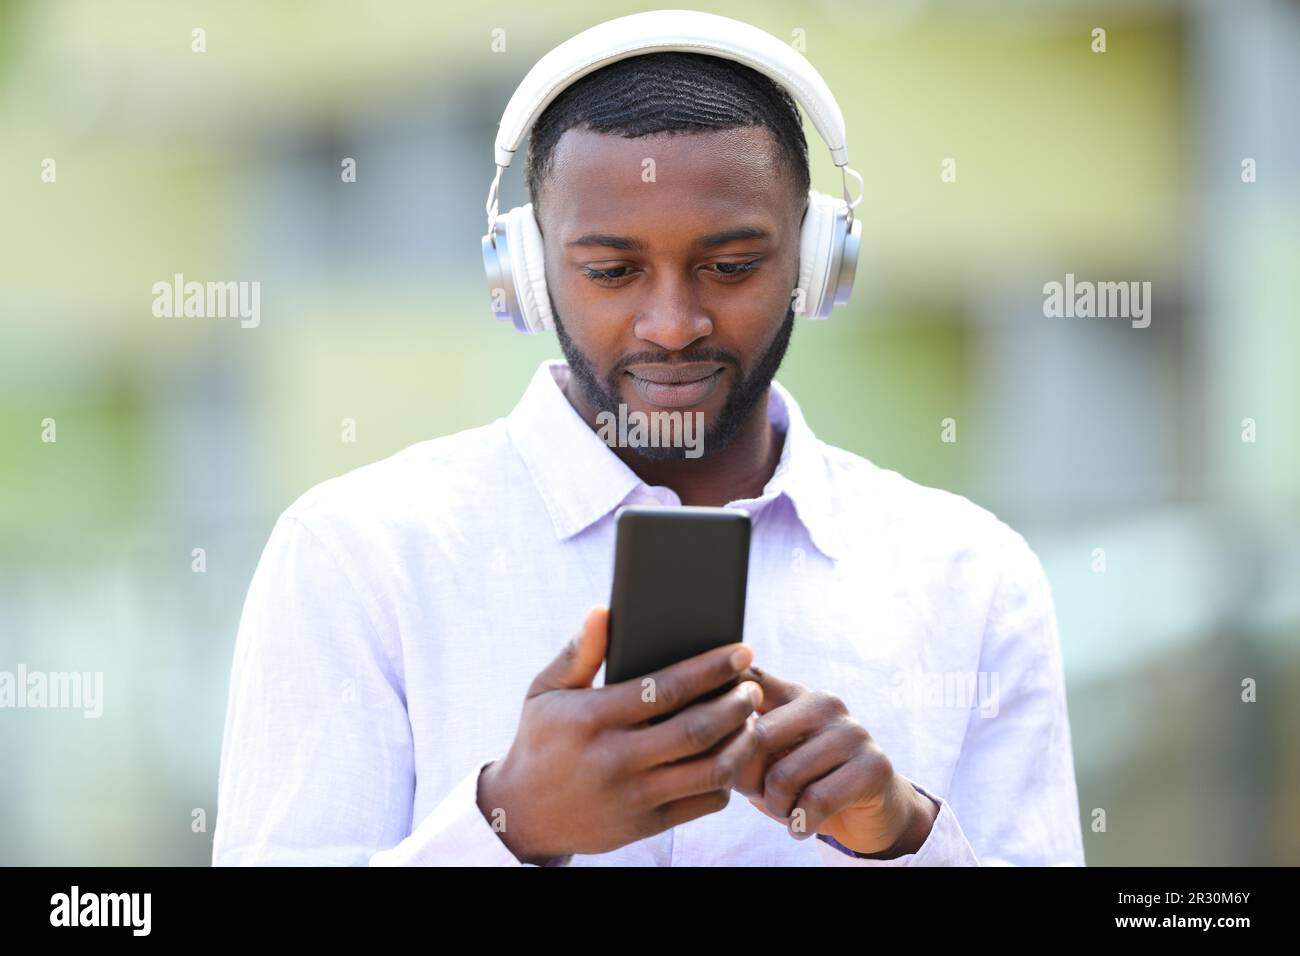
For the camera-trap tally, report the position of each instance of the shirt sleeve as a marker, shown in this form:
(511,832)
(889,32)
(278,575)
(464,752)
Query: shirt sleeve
(456,832)
(317,765)
(1013,787)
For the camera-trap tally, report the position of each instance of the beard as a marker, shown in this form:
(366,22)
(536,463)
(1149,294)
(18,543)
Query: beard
(602,394)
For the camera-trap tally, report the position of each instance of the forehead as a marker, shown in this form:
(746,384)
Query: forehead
(678,181)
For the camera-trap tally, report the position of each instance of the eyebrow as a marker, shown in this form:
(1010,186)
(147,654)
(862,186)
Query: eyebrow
(712,240)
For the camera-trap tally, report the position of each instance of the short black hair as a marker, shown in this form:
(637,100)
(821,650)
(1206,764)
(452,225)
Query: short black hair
(666,93)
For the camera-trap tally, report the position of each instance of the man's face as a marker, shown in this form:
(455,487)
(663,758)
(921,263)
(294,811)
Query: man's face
(666,250)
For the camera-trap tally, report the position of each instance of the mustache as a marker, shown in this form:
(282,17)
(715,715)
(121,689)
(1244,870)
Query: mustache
(707,354)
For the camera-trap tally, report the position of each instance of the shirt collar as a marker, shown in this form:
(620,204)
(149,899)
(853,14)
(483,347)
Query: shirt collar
(581,479)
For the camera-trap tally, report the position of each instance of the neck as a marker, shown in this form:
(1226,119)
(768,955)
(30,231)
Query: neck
(741,470)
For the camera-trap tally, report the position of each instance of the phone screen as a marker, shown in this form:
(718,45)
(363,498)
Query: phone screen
(679,586)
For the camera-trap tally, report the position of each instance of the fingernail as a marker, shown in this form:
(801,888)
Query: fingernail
(740,658)
(755,695)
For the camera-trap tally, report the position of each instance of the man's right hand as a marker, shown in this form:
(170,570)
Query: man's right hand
(587,772)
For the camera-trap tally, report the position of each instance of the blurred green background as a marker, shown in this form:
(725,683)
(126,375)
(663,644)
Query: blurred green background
(183,433)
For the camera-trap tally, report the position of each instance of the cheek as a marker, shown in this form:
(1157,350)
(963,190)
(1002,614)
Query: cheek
(752,313)
(572,297)
(594,328)
(765,294)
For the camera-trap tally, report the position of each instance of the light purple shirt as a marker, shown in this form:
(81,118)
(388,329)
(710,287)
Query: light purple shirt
(400,611)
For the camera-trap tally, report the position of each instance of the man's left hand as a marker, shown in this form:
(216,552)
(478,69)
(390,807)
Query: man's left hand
(817,770)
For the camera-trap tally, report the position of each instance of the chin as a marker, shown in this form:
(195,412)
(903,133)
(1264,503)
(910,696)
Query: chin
(666,434)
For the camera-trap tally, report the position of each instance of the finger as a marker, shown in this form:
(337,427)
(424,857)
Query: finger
(777,692)
(671,688)
(578,662)
(686,809)
(694,730)
(716,771)
(757,804)
(784,728)
(788,777)
(851,783)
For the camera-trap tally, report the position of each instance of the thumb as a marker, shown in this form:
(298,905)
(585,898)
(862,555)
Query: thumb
(579,661)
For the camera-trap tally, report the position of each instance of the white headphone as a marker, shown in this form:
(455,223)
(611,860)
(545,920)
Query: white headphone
(829,236)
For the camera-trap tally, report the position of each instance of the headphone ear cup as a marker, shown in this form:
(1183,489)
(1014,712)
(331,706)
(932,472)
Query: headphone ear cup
(528,268)
(818,238)
(512,259)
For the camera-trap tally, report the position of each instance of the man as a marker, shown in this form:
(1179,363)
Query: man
(902,698)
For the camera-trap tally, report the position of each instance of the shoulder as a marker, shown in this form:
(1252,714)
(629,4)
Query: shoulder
(892,502)
(920,524)
(960,556)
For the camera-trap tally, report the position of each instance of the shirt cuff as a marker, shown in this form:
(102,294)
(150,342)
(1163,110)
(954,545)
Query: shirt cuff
(946,844)
(456,833)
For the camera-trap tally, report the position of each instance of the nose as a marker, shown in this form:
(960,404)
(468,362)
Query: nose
(673,316)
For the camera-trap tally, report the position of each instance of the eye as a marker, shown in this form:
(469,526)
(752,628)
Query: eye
(606,276)
(614,275)
(735,270)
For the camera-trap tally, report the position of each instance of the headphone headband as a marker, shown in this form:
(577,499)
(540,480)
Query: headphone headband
(686,31)
(513,253)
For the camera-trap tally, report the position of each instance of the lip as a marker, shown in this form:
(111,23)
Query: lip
(676,386)
(677,373)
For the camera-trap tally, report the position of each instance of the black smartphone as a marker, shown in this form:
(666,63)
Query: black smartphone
(679,587)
